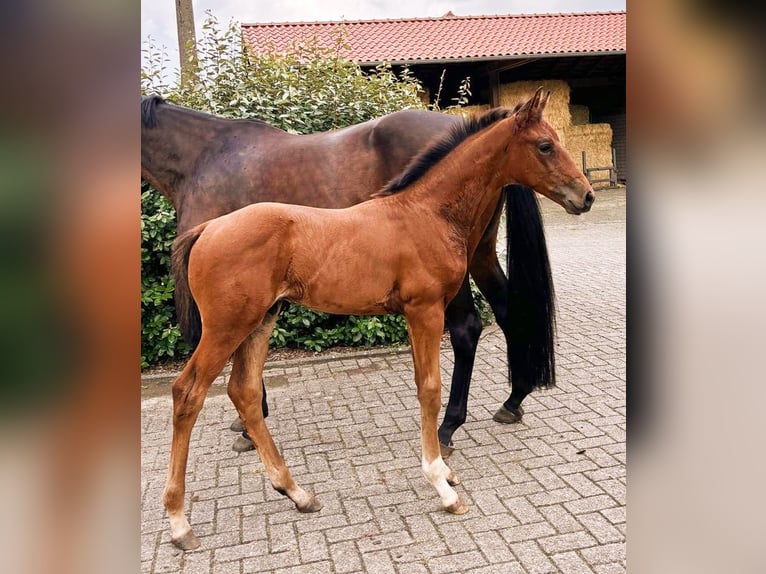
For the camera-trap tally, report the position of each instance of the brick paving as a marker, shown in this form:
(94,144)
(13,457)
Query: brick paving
(546,495)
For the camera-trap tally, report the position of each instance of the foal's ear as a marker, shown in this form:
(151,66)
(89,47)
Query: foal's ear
(532,110)
(544,101)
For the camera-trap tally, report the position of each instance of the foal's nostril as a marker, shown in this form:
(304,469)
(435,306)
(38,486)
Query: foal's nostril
(590,197)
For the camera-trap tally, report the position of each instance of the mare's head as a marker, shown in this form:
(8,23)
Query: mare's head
(538,160)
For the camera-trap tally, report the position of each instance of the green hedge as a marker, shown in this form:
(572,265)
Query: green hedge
(306,90)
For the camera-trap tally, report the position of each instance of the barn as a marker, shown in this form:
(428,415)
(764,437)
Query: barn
(580,57)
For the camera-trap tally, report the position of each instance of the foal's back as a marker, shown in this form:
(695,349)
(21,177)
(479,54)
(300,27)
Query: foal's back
(311,256)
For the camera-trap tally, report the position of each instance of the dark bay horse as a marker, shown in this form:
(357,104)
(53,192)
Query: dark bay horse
(207,166)
(405,251)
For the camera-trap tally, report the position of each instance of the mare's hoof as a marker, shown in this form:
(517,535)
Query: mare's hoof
(456,508)
(507,417)
(242,444)
(446,450)
(313,506)
(237,425)
(187,542)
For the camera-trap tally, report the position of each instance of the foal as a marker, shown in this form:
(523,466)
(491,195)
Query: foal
(208,166)
(406,251)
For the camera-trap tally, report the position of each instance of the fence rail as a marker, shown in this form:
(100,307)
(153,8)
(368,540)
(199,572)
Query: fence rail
(611,170)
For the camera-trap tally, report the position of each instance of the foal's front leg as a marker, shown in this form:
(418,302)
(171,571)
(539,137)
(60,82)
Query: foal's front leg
(425,328)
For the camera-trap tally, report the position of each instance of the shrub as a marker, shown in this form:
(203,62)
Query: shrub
(160,336)
(307,89)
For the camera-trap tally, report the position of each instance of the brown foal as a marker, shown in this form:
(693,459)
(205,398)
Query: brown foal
(405,251)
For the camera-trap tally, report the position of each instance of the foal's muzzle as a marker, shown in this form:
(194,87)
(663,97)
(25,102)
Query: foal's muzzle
(577,207)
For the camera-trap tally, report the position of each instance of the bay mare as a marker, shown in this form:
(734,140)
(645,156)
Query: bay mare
(405,251)
(207,166)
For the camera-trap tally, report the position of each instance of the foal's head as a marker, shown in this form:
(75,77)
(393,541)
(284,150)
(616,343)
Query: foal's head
(539,161)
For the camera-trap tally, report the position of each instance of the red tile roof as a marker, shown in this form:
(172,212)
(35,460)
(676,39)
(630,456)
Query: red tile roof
(420,40)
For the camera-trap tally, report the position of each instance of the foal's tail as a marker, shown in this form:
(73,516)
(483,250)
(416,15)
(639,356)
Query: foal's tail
(531,299)
(187,311)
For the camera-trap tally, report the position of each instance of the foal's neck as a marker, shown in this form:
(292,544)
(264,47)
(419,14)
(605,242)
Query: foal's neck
(466,186)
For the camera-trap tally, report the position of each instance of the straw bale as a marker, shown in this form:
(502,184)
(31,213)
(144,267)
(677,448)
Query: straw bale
(596,141)
(467,111)
(556,111)
(580,114)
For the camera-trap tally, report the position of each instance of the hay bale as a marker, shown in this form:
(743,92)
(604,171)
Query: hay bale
(580,114)
(467,111)
(596,141)
(556,112)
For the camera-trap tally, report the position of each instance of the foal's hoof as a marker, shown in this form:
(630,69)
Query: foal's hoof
(313,506)
(456,507)
(453,480)
(242,444)
(237,425)
(507,417)
(187,542)
(446,450)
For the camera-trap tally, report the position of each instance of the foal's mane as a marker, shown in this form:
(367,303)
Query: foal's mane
(438,150)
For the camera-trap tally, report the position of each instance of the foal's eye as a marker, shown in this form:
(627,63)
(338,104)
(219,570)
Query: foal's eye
(545,148)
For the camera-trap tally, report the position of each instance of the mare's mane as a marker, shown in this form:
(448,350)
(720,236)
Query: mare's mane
(438,150)
(149,111)
(149,105)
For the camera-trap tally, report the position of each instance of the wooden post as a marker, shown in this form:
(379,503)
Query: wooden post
(494,89)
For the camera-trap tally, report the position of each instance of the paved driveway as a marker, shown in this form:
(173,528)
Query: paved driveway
(546,495)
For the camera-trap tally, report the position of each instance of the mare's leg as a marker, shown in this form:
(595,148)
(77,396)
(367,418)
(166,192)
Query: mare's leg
(493,284)
(189,391)
(464,325)
(425,326)
(245,390)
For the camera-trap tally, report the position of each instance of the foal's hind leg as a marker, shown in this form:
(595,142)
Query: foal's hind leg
(189,391)
(245,391)
(425,328)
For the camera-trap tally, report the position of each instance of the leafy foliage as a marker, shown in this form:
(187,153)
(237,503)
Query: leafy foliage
(308,89)
(160,336)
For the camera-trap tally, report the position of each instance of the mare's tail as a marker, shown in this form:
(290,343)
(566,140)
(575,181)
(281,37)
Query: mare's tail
(531,299)
(187,311)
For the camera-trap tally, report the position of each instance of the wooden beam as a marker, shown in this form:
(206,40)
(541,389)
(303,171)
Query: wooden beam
(503,65)
(494,89)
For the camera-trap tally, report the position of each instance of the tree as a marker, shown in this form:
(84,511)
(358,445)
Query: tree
(187,41)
